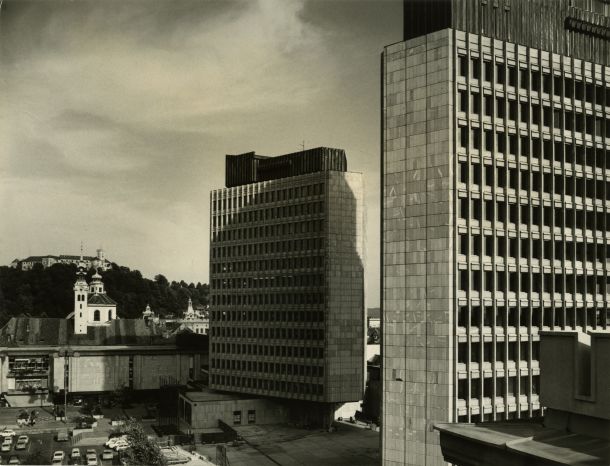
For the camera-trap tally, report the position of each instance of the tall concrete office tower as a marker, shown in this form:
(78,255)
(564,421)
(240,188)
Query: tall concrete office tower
(286,281)
(496,177)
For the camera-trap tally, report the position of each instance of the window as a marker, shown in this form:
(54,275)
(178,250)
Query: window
(96,315)
(236,418)
(251,416)
(110,315)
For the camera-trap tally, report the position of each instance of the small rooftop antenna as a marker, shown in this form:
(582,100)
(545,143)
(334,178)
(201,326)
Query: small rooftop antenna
(303,146)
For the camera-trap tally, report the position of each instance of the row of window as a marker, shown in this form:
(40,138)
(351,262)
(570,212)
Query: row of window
(513,316)
(282,351)
(268,265)
(531,216)
(236,198)
(268,247)
(544,282)
(546,317)
(276,368)
(251,417)
(534,113)
(503,351)
(269,332)
(540,149)
(271,299)
(516,248)
(267,316)
(282,212)
(274,281)
(289,388)
(508,386)
(534,80)
(474,175)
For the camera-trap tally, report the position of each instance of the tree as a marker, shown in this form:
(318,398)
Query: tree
(143,450)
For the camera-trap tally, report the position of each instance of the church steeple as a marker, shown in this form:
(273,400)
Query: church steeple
(80,297)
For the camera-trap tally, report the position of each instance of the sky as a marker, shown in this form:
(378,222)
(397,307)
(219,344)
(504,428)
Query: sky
(115,116)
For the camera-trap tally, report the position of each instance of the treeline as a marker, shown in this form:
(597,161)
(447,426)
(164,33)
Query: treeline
(48,292)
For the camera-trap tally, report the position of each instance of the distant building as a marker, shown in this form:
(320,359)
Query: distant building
(92,306)
(575,429)
(93,351)
(286,280)
(98,262)
(196,320)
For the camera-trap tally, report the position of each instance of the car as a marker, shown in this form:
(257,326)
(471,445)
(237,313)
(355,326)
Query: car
(91,459)
(114,440)
(7,443)
(58,457)
(121,445)
(7,433)
(22,442)
(91,451)
(75,455)
(77,401)
(107,455)
(14,459)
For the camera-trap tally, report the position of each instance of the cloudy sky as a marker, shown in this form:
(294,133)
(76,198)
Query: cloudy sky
(115,116)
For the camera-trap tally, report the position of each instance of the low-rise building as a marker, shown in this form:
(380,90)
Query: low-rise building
(98,262)
(93,351)
(575,429)
(202,410)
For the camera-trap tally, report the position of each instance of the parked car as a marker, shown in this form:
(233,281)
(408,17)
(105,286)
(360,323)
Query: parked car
(7,433)
(62,435)
(121,445)
(22,442)
(78,401)
(114,440)
(91,459)
(75,455)
(58,457)
(7,443)
(14,459)
(107,455)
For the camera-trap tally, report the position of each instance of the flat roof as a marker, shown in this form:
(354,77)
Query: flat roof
(533,440)
(212,395)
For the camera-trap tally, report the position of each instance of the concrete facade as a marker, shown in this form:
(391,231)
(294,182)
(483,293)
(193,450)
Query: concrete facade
(201,411)
(418,233)
(287,285)
(495,217)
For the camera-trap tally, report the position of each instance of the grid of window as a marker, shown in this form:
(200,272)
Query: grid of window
(267,287)
(533,178)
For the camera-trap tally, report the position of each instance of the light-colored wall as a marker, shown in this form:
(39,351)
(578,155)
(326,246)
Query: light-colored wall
(563,360)
(417,256)
(89,373)
(205,415)
(345,324)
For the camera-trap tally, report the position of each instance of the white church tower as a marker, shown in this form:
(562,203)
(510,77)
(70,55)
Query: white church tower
(92,306)
(81,309)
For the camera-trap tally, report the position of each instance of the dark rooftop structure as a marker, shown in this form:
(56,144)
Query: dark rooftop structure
(252,168)
(578,28)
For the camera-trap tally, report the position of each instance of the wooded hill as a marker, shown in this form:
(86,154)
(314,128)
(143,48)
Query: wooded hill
(48,292)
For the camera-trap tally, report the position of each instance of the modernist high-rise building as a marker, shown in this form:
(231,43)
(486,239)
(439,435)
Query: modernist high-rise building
(286,280)
(496,180)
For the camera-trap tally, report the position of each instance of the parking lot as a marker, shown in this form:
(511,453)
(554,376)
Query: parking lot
(41,447)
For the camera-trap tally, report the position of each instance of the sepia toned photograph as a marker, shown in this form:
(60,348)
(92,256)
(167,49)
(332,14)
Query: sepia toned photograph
(305,232)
